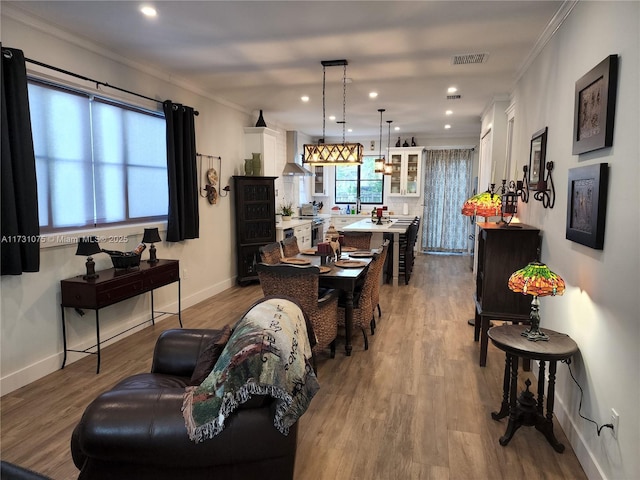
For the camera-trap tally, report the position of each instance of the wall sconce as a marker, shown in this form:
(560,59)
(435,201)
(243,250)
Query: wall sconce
(546,191)
(522,187)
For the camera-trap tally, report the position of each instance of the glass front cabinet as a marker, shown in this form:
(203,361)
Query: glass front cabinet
(405,179)
(319,181)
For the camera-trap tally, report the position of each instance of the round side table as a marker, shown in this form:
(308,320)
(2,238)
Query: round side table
(525,409)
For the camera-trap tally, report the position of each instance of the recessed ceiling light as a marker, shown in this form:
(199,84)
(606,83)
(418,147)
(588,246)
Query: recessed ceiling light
(373,94)
(148,11)
(332,117)
(449,112)
(304,98)
(452,90)
(349,130)
(447,127)
(396,128)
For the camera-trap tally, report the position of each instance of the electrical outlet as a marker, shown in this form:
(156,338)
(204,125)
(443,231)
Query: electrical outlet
(185,273)
(615,421)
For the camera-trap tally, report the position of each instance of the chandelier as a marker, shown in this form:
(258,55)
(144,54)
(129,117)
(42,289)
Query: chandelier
(333,153)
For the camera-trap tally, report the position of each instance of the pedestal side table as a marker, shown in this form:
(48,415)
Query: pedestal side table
(525,410)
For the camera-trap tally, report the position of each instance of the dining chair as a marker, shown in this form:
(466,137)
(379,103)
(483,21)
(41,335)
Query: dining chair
(270,253)
(301,283)
(359,240)
(290,247)
(363,306)
(379,265)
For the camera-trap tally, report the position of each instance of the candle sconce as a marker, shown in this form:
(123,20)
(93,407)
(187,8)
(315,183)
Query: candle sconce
(546,191)
(522,186)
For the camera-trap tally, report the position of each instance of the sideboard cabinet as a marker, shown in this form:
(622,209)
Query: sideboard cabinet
(501,251)
(255,205)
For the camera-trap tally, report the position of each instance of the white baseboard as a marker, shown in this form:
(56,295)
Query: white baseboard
(50,364)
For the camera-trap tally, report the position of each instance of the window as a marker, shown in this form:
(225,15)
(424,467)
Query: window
(98,162)
(355,181)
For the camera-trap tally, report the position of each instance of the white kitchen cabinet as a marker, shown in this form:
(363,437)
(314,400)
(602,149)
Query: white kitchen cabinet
(319,181)
(303,234)
(405,179)
(341,221)
(262,140)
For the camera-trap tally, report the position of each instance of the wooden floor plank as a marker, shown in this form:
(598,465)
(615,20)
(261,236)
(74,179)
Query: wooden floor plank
(416,405)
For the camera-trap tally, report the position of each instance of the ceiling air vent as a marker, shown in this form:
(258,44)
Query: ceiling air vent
(469,58)
(454,97)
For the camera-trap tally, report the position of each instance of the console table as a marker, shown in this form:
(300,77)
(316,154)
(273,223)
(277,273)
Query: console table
(526,410)
(113,286)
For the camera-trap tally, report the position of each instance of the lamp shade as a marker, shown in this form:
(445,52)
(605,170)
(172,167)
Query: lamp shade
(333,153)
(536,279)
(87,246)
(485,204)
(151,235)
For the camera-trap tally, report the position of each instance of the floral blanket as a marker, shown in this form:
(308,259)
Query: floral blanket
(267,354)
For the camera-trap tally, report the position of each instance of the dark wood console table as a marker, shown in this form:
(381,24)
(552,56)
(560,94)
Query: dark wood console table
(113,286)
(525,410)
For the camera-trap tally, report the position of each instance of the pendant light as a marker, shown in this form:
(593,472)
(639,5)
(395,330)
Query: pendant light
(334,153)
(379,163)
(388,166)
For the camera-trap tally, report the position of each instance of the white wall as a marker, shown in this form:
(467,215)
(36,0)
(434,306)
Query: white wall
(31,334)
(599,309)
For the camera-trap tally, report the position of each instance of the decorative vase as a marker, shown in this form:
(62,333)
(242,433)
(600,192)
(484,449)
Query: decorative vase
(261,122)
(286,218)
(398,142)
(257,165)
(248,166)
(413,142)
(405,144)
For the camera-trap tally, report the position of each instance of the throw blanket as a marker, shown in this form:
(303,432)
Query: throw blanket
(267,354)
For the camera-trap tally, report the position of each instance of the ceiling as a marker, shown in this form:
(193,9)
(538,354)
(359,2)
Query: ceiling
(267,54)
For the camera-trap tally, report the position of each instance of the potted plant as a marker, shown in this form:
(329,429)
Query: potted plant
(286,209)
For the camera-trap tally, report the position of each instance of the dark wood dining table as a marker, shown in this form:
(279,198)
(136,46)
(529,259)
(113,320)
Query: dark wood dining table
(344,279)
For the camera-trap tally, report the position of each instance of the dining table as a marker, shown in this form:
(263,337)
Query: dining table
(344,279)
(395,226)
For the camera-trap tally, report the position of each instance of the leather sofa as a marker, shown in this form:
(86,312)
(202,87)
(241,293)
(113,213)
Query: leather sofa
(137,430)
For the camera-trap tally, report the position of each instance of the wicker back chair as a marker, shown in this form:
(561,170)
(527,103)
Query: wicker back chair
(290,247)
(301,283)
(270,253)
(359,240)
(363,307)
(376,286)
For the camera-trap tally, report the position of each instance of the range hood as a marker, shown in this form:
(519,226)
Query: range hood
(291,167)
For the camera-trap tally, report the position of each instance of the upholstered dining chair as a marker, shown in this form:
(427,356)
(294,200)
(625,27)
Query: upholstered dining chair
(301,283)
(363,308)
(290,247)
(270,253)
(376,285)
(359,240)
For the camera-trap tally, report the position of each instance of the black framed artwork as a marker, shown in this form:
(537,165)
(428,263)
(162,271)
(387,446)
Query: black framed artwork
(587,204)
(595,105)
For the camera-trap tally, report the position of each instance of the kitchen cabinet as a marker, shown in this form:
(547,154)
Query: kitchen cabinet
(341,221)
(319,181)
(303,234)
(501,251)
(405,179)
(262,140)
(255,206)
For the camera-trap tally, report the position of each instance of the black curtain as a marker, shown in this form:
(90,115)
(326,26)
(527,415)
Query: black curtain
(20,247)
(183,221)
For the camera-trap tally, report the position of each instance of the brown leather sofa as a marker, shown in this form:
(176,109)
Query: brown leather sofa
(137,431)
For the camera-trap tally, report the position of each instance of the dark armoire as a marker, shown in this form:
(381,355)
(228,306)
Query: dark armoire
(255,204)
(501,251)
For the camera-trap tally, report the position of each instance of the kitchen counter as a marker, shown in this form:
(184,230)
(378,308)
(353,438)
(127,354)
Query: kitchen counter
(293,223)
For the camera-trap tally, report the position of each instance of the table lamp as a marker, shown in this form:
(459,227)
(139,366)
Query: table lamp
(485,204)
(537,280)
(151,236)
(88,246)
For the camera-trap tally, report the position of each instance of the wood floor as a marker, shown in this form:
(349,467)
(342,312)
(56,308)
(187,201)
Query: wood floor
(416,405)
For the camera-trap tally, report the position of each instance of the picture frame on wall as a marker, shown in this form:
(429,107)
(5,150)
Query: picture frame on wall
(587,204)
(594,109)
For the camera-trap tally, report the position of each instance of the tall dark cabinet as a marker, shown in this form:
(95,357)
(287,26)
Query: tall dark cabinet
(255,203)
(501,251)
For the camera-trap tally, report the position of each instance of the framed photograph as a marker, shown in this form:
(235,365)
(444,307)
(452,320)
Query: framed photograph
(587,204)
(595,105)
(537,156)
